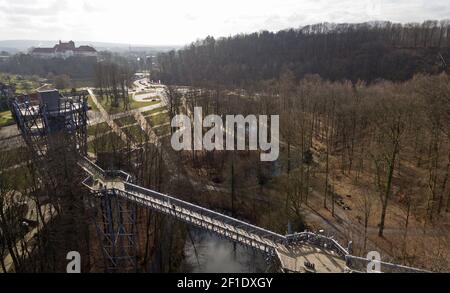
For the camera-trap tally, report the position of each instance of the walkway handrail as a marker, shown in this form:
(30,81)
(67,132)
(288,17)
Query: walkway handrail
(111,174)
(318,240)
(226,219)
(359,264)
(117,174)
(353,262)
(308,237)
(92,167)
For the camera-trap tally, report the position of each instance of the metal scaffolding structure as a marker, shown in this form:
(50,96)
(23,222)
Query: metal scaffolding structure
(117,183)
(115,223)
(296,252)
(6,92)
(51,123)
(46,117)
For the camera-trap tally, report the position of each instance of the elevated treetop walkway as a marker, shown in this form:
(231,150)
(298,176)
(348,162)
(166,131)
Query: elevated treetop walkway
(298,252)
(51,113)
(293,251)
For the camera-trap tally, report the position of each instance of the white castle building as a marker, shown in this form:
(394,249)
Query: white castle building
(64,50)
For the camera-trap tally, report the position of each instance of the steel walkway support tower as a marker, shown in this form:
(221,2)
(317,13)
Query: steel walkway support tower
(54,127)
(115,222)
(298,252)
(48,120)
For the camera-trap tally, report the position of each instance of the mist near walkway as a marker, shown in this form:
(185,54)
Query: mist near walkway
(216,255)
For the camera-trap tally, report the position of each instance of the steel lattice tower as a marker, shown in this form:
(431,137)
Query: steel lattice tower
(48,115)
(52,124)
(115,222)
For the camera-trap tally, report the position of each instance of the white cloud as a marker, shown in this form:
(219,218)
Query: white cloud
(181,21)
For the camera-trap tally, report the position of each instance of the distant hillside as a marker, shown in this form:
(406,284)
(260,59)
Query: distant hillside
(366,51)
(14,46)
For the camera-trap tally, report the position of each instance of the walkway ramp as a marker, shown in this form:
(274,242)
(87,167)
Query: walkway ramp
(292,251)
(298,252)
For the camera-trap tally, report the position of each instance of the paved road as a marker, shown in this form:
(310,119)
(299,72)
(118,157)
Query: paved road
(152,91)
(9,131)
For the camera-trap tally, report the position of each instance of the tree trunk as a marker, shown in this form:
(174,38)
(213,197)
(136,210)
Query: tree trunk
(388,189)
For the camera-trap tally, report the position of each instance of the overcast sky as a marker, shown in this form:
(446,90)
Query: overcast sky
(178,22)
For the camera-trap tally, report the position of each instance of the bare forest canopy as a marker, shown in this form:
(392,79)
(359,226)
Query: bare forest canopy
(384,148)
(112,81)
(365,51)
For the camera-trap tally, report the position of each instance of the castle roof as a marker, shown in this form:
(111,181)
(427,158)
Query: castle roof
(86,49)
(63,47)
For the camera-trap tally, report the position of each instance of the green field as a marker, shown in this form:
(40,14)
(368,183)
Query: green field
(23,84)
(98,128)
(156,110)
(143,93)
(91,104)
(6,118)
(12,157)
(124,121)
(163,130)
(135,132)
(107,143)
(158,119)
(19,177)
(135,105)
(106,103)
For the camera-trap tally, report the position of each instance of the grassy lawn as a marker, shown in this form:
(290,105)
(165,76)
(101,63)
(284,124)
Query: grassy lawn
(91,104)
(135,132)
(163,130)
(124,121)
(6,118)
(20,178)
(23,84)
(143,93)
(136,105)
(98,128)
(155,99)
(107,143)
(106,103)
(156,110)
(12,157)
(158,119)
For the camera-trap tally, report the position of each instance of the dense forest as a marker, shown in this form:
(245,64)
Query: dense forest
(81,68)
(372,159)
(366,51)
(24,64)
(364,120)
